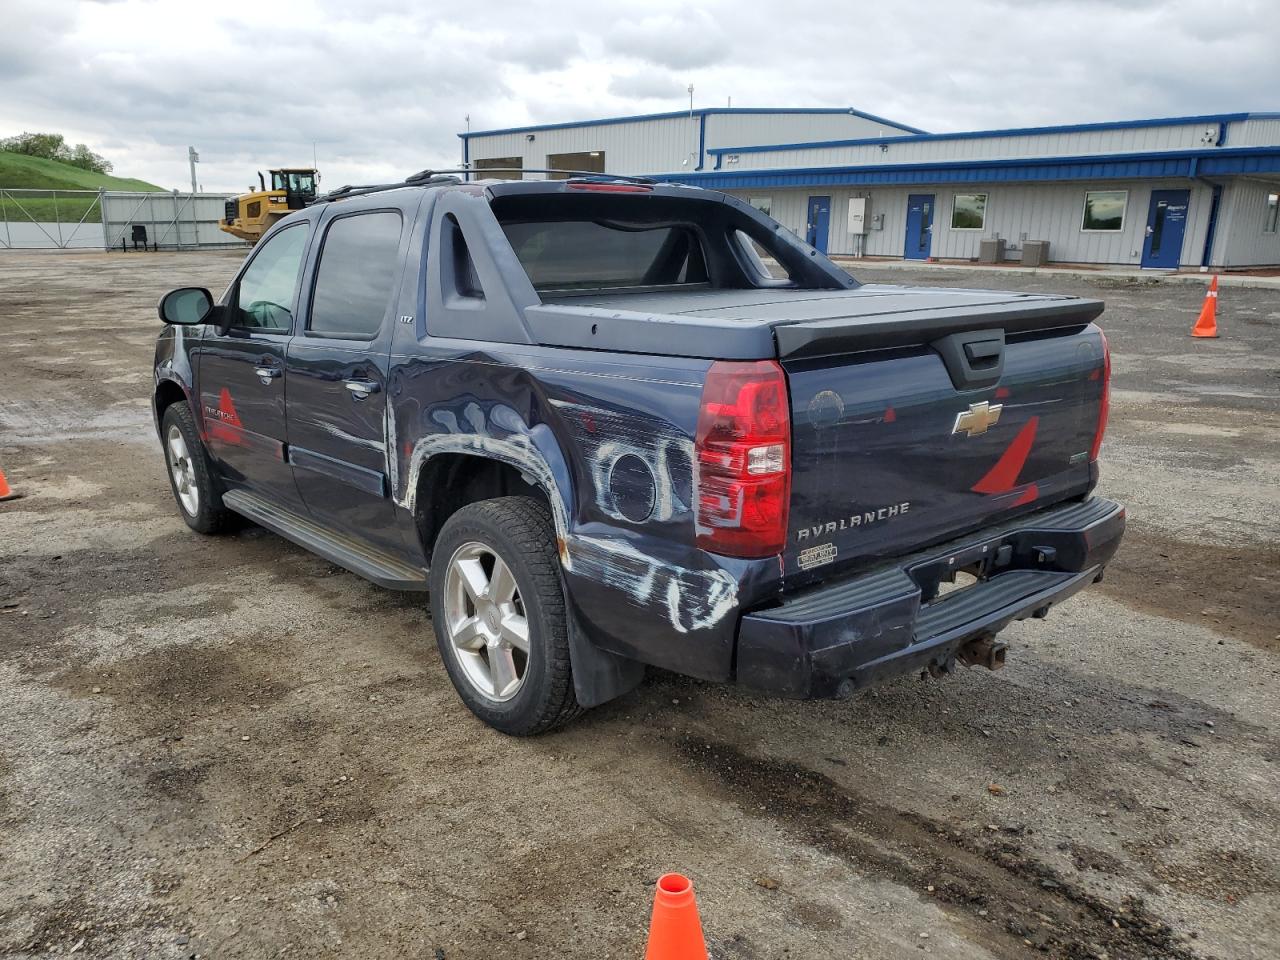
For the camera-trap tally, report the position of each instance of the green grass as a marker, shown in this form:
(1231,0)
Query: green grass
(20,172)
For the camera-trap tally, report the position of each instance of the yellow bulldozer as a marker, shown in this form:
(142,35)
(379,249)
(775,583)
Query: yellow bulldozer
(252,214)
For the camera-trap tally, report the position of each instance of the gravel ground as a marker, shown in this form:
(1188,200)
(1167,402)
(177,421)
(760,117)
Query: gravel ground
(226,747)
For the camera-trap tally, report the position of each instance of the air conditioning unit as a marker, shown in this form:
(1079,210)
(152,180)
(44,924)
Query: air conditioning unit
(1035,253)
(991,251)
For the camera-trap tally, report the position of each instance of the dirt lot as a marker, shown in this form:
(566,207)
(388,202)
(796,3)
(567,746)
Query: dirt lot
(229,748)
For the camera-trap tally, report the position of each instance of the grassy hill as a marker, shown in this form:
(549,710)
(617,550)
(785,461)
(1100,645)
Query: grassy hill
(19,171)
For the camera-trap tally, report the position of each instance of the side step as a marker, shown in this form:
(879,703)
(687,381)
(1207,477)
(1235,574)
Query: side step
(360,559)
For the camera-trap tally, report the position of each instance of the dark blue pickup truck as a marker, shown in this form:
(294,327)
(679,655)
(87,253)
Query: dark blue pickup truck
(608,423)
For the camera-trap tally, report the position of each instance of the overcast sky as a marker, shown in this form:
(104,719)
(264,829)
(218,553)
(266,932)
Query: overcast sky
(382,87)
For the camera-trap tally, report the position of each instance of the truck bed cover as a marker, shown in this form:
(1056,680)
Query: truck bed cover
(790,323)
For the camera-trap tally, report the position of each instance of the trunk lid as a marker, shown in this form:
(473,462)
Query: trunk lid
(949,411)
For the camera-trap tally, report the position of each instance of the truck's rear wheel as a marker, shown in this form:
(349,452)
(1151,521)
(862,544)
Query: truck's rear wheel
(498,609)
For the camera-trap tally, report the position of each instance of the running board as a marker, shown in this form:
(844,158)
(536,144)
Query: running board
(360,559)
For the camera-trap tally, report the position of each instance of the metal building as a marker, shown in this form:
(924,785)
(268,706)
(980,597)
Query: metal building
(1175,193)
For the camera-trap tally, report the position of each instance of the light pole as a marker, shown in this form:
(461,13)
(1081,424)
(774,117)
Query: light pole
(193,158)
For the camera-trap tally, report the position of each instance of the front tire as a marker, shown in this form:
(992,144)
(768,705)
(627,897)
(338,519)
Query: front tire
(195,486)
(498,610)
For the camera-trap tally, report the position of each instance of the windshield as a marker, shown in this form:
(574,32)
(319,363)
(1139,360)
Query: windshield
(293,181)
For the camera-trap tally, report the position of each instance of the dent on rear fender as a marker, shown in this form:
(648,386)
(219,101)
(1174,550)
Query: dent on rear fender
(688,598)
(499,433)
(606,436)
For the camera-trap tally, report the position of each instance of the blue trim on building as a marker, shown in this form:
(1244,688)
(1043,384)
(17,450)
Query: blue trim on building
(1214,204)
(702,140)
(1220,119)
(704,112)
(1180,164)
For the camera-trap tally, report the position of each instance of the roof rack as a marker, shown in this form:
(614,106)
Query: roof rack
(424,178)
(569,174)
(431,178)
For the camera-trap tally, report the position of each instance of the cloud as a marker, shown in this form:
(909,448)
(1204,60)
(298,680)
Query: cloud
(382,87)
(647,86)
(540,51)
(681,42)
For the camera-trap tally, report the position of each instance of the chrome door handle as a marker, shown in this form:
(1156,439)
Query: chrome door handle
(360,389)
(267,374)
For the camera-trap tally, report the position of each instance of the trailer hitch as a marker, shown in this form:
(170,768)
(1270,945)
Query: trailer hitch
(984,651)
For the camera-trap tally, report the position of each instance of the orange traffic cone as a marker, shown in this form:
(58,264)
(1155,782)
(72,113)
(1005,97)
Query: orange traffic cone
(1207,324)
(675,933)
(5,492)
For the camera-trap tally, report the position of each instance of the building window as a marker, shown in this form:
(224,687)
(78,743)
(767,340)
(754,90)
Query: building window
(499,168)
(1271,219)
(1104,210)
(590,162)
(763,204)
(969,211)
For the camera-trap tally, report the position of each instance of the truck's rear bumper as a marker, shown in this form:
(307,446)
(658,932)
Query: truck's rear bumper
(849,634)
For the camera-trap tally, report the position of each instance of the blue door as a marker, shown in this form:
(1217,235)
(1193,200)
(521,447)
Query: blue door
(818,223)
(1166,223)
(919,226)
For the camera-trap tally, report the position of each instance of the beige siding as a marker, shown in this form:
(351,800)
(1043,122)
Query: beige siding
(671,144)
(1015,212)
(1123,140)
(1242,241)
(1253,133)
(735,129)
(649,146)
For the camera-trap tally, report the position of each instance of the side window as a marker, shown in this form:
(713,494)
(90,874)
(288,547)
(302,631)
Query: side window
(268,286)
(355,279)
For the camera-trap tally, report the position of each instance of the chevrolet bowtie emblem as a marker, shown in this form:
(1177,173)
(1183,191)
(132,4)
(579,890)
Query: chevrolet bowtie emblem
(977,419)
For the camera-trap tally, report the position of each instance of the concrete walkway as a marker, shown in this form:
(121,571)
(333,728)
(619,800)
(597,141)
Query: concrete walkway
(1109,273)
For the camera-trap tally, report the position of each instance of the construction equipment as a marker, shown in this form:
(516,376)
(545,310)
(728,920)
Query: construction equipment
(252,214)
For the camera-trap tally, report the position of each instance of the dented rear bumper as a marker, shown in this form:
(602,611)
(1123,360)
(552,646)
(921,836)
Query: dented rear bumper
(841,636)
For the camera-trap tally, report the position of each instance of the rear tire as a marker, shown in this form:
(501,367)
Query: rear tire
(498,610)
(195,486)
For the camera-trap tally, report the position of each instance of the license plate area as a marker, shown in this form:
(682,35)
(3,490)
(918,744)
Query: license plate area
(961,580)
(945,576)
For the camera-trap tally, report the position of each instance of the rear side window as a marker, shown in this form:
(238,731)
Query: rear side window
(591,255)
(356,276)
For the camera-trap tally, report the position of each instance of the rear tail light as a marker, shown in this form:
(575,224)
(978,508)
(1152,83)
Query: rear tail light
(1104,409)
(743,450)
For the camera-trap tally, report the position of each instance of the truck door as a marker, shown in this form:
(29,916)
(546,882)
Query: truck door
(337,371)
(241,374)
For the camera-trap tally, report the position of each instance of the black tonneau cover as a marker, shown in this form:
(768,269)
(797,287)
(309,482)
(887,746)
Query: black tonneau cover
(788,323)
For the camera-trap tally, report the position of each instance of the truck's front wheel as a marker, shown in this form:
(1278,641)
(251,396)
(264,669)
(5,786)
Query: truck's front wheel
(195,486)
(498,610)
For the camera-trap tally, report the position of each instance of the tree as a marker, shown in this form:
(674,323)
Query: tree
(46,145)
(53,146)
(86,159)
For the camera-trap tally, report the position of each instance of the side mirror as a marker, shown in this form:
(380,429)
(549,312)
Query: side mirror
(186,306)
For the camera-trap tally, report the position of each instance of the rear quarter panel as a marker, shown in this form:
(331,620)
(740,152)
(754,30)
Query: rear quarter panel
(590,428)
